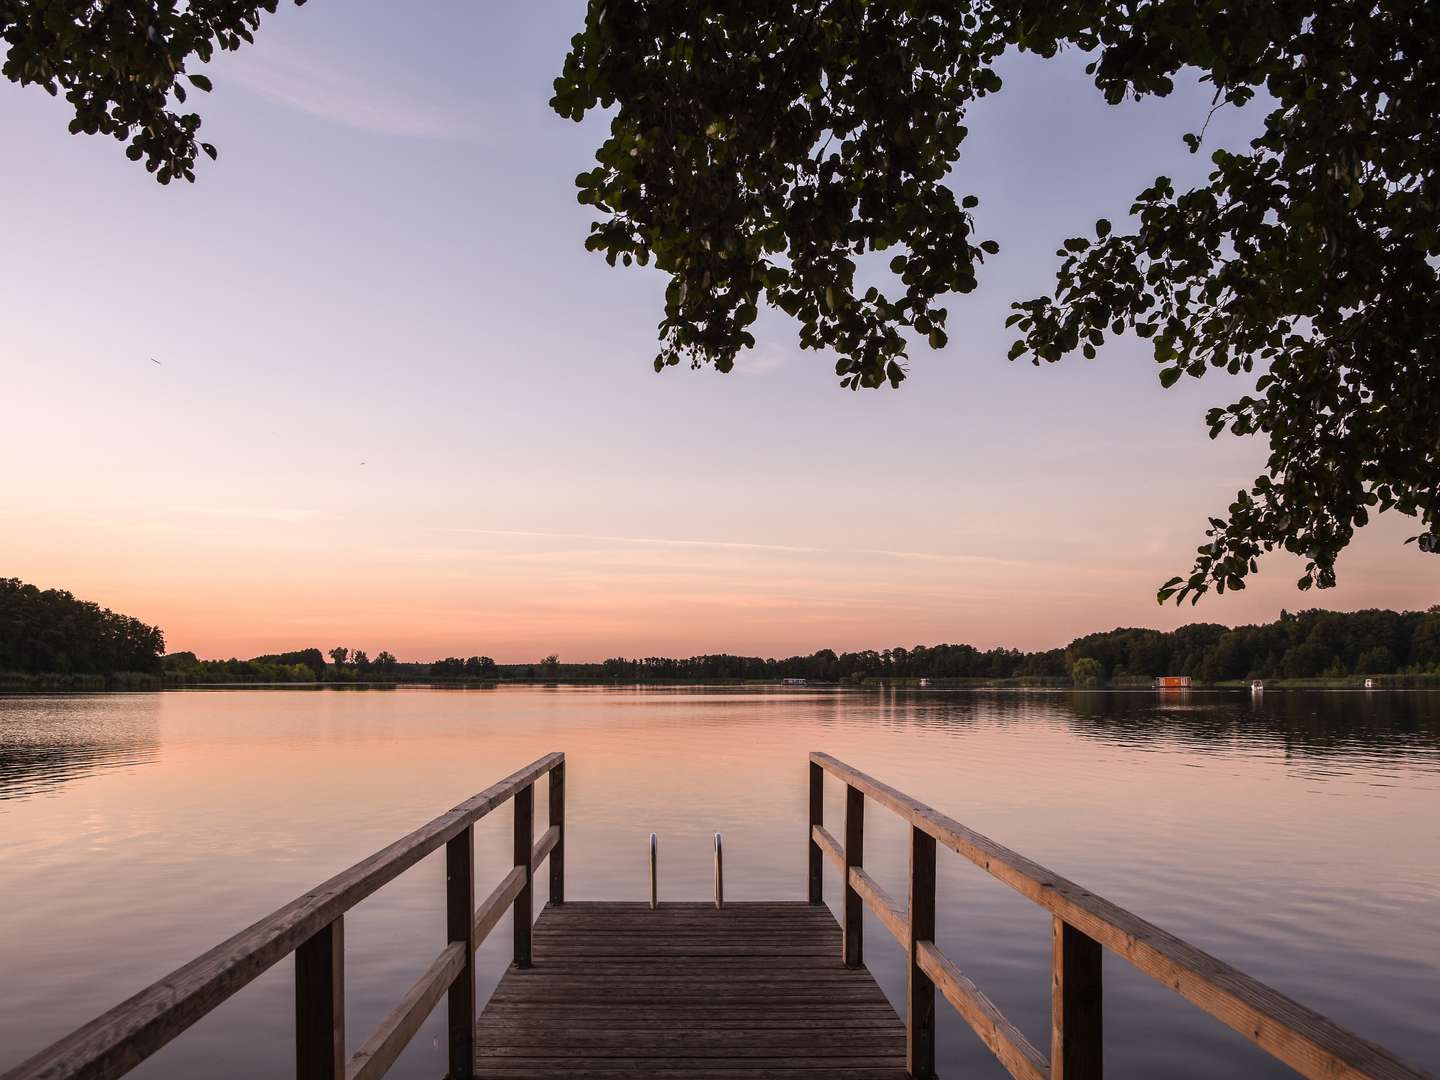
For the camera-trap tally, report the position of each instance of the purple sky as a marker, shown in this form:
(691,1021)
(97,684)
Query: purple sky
(399,406)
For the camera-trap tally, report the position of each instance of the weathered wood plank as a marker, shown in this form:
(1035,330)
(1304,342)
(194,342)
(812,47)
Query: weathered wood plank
(497,903)
(379,1051)
(699,1044)
(524,849)
(692,990)
(547,1025)
(547,843)
(1005,1041)
(828,845)
(557,825)
(1309,1043)
(852,909)
(320,1004)
(891,915)
(815,857)
(798,910)
(460,928)
(1077,1041)
(919,987)
(690,1072)
(644,1065)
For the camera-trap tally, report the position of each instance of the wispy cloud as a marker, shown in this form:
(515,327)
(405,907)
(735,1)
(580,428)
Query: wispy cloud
(294,79)
(650,540)
(933,556)
(735,545)
(764,358)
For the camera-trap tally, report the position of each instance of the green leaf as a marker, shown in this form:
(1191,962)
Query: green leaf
(1169,376)
(200,82)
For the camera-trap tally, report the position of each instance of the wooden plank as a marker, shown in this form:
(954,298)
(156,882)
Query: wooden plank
(460,929)
(126,1035)
(557,824)
(543,847)
(690,991)
(1077,1041)
(719,874)
(699,977)
(550,1025)
(919,988)
(1004,1039)
(852,922)
(524,848)
(700,1044)
(644,1065)
(828,845)
(778,1011)
(497,903)
(690,1071)
(700,993)
(890,914)
(758,908)
(379,1051)
(817,818)
(320,1004)
(1309,1043)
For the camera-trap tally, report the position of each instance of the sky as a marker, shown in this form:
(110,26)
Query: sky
(397,405)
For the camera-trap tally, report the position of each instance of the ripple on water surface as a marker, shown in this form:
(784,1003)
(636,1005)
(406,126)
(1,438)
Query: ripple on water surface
(1297,836)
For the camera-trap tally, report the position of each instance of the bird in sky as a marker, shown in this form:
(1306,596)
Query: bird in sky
(154,361)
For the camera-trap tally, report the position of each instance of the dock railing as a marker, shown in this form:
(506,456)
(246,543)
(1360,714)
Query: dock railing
(1082,924)
(313,928)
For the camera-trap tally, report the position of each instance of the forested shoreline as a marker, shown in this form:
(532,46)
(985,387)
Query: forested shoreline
(51,638)
(1313,644)
(52,632)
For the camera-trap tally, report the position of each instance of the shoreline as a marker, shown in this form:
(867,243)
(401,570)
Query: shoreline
(135,682)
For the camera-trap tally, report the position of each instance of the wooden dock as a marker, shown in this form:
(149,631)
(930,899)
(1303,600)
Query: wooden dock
(752,991)
(771,991)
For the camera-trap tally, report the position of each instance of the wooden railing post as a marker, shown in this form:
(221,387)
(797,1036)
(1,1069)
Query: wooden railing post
(557,822)
(524,847)
(320,1004)
(817,817)
(854,954)
(919,989)
(460,926)
(1076,1035)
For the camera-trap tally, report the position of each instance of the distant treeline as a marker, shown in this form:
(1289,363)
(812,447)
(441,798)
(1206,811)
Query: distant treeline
(1310,644)
(50,632)
(303,665)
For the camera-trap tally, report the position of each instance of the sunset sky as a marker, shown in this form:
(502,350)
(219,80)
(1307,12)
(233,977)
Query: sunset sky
(398,406)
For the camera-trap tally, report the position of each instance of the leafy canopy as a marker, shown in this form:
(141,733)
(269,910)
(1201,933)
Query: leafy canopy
(120,65)
(756,151)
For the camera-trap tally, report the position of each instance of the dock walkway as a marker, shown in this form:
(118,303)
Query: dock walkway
(724,991)
(753,991)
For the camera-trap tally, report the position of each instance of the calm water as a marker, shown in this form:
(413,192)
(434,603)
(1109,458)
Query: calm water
(1298,838)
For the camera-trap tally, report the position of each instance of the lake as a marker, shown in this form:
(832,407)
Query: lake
(1296,836)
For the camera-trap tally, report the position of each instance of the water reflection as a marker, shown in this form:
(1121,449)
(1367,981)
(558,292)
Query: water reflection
(1296,835)
(46,741)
